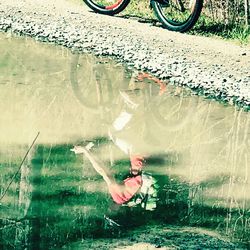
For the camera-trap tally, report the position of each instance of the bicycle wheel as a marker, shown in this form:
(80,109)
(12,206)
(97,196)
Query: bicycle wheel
(177,15)
(107,7)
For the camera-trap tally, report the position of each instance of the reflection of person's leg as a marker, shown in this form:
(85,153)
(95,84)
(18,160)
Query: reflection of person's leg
(131,104)
(118,125)
(123,145)
(122,120)
(130,96)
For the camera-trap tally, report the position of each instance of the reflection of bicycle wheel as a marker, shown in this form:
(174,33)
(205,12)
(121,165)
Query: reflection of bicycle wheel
(94,81)
(174,109)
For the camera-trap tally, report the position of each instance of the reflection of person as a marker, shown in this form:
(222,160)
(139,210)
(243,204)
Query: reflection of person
(137,188)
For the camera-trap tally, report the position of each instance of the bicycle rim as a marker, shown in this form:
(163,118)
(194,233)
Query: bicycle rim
(108,7)
(178,15)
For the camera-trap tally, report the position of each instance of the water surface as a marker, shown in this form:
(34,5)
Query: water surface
(196,149)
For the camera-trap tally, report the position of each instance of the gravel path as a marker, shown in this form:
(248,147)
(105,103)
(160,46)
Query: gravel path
(213,67)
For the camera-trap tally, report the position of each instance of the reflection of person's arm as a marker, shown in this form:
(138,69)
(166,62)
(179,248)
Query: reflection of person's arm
(97,167)
(119,193)
(95,164)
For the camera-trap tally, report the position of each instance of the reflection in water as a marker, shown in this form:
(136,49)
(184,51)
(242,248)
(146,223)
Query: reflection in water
(195,150)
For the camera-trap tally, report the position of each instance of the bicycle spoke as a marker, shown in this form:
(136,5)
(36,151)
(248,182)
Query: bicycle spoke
(177,15)
(178,11)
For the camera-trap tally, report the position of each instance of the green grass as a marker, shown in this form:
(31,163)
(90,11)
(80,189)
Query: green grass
(207,27)
(204,27)
(140,9)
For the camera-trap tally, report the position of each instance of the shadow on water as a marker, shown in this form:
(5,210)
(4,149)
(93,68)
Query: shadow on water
(195,150)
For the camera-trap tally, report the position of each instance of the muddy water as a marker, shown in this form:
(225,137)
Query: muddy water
(196,150)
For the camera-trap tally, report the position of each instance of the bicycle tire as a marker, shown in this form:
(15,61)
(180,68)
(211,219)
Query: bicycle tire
(111,10)
(169,23)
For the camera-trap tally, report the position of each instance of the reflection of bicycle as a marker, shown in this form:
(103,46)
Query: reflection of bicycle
(104,89)
(94,82)
(175,15)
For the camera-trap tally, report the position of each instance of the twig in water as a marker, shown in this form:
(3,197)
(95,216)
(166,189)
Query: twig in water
(24,158)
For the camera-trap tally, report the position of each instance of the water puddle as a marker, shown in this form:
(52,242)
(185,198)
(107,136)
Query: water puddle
(184,159)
